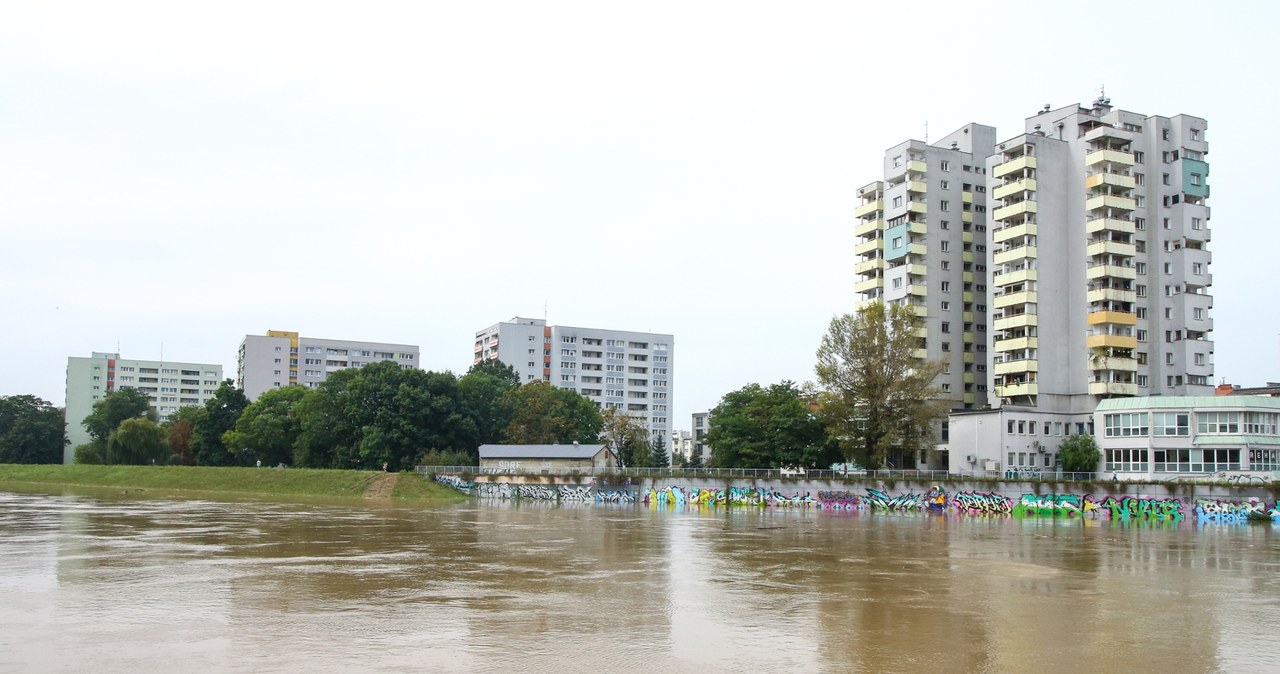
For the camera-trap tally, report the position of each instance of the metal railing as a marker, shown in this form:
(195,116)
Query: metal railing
(778,474)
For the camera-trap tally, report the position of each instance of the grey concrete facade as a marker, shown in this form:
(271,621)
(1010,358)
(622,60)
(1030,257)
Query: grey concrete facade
(282,358)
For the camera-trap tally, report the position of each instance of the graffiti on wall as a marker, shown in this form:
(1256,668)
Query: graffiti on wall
(1114,507)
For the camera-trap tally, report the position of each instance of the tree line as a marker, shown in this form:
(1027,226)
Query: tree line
(380,414)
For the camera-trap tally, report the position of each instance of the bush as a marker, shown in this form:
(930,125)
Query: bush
(92,454)
(435,457)
(1080,454)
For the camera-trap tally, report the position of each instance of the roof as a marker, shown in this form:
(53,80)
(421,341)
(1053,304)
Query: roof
(1189,402)
(574,451)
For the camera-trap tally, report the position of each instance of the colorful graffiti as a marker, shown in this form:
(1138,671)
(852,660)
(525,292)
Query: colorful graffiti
(1114,507)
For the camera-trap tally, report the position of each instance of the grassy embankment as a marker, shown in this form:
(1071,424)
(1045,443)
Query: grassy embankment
(267,482)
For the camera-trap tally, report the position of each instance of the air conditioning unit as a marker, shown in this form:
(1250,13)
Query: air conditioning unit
(971,458)
(991,465)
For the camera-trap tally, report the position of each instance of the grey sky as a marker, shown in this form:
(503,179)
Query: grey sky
(174,176)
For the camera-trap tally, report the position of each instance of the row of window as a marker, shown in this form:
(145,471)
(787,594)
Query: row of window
(1135,424)
(1058,428)
(1185,460)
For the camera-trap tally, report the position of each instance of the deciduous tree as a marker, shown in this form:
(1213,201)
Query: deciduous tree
(137,441)
(32,430)
(625,437)
(1080,454)
(544,414)
(757,427)
(220,415)
(115,407)
(268,428)
(482,388)
(181,426)
(878,400)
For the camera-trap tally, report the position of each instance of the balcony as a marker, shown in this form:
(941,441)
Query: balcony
(1014,210)
(1016,344)
(969,398)
(1010,278)
(967,337)
(1111,225)
(1099,271)
(918,207)
(1014,322)
(916,166)
(966,237)
(1099,157)
(917,270)
(869,266)
(1024,185)
(1016,231)
(921,354)
(868,246)
(1019,253)
(917,249)
(920,310)
(1023,162)
(1098,133)
(917,289)
(967,296)
(1112,388)
(966,197)
(868,285)
(1110,201)
(917,186)
(1113,363)
(868,208)
(967,316)
(865,227)
(1014,390)
(1111,295)
(969,378)
(967,217)
(1014,299)
(1116,341)
(1024,365)
(966,277)
(917,228)
(1113,179)
(1110,248)
(1113,317)
(968,357)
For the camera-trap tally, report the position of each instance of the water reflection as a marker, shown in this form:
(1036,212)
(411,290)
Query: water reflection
(112,582)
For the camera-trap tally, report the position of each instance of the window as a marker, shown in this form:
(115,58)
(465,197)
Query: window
(897,283)
(1170,424)
(1164,134)
(1142,335)
(1197,268)
(1164,179)
(946,286)
(1198,313)
(1125,425)
(1197,223)
(1139,223)
(1168,267)
(1199,359)
(946,326)
(945,206)
(1195,178)
(1139,179)
(946,184)
(1195,134)
(897,161)
(1141,290)
(946,245)
(897,202)
(1140,157)
(946,166)
(946,306)
(897,242)
(945,224)
(1217,423)
(1141,268)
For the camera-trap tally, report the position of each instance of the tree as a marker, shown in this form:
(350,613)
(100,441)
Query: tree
(220,415)
(181,426)
(481,389)
(32,430)
(268,428)
(545,414)
(878,400)
(658,453)
(115,407)
(625,437)
(1079,454)
(137,441)
(756,427)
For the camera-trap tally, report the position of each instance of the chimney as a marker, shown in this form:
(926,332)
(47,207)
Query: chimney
(1224,389)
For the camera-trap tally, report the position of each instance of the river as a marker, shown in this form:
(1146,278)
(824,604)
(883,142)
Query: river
(104,581)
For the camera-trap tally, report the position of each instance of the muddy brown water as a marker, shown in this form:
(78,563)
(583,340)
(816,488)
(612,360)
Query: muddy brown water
(111,582)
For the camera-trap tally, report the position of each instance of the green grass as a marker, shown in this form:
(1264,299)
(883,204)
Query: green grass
(267,482)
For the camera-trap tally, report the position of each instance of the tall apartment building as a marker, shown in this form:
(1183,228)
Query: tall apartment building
(168,384)
(922,242)
(627,371)
(1100,272)
(282,358)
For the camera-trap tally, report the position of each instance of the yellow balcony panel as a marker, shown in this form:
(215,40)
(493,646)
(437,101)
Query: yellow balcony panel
(1111,295)
(1110,201)
(1016,344)
(1111,248)
(917,289)
(917,186)
(1014,299)
(1121,181)
(1116,341)
(918,228)
(868,246)
(1113,363)
(968,337)
(869,266)
(968,357)
(865,227)
(966,237)
(921,332)
(1014,232)
(1115,388)
(1014,390)
(967,277)
(967,217)
(1116,317)
(1024,185)
(1013,367)
(916,166)
(969,378)
(1018,321)
(1014,210)
(1013,254)
(1098,157)
(917,249)
(867,285)
(967,316)
(1023,162)
(966,256)
(917,207)
(920,310)
(871,189)
(920,353)
(968,398)
(1111,225)
(967,296)
(868,208)
(1010,278)
(917,270)
(966,197)
(1098,133)
(1099,271)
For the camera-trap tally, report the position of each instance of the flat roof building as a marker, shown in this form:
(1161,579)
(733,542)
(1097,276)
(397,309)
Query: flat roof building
(281,358)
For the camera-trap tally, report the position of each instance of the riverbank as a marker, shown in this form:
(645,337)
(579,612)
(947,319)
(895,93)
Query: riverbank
(262,482)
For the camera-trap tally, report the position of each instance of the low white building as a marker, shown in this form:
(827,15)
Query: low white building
(1010,440)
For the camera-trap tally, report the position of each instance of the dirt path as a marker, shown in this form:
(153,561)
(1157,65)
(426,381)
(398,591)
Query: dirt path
(382,486)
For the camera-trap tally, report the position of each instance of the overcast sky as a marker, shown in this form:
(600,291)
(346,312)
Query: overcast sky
(175,175)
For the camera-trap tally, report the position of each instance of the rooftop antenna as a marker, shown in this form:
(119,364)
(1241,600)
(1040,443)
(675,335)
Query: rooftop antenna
(926,132)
